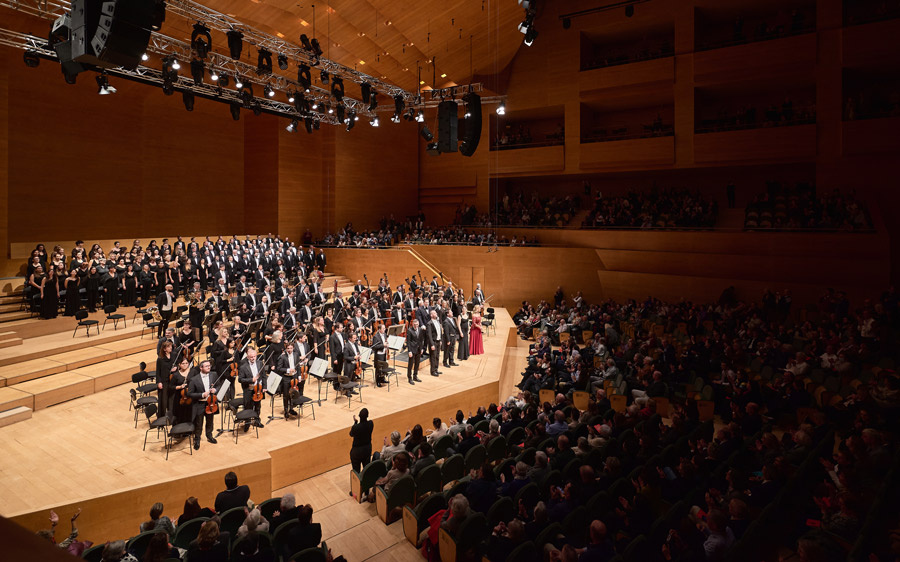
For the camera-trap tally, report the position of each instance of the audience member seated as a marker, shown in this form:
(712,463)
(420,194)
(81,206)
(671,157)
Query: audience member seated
(209,546)
(159,549)
(781,207)
(192,510)
(520,137)
(615,55)
(158,521)
(233,495)
(675,208)
(304,535)
(734,118)
(251,550)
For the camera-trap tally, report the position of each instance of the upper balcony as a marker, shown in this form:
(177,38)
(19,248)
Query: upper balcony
(632,55)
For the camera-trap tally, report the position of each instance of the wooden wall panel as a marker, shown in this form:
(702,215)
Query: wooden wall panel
(631,154)
(260,187)
(529,160)
(659,70)
(870,136)
(4,156)
(301,197)
(794,144)
(756,60)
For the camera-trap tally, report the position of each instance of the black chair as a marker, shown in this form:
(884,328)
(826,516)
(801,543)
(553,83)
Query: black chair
(502,510)
(428,481)
(362,482)
(181,430)
(139,379)
(268,507)
(111,314)
(302,401)
(475,457)
(442,447)
(242,415)
(279,537)
(313,554)
(161,423)
(82,317)
(137,545)
(415,519)
(488,321)
(149,324)
(187,531)
(93,554)
(138,404)
(232,519)
(453,469)
(140,308)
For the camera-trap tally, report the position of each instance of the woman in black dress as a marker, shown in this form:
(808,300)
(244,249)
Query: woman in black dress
(111,289)
(145,281)
(50,295)
(92,285)
(179,382)
(361,432)
(163,369)
(129,283)
(317,338)
(33,285)
(73,298)
(462,322)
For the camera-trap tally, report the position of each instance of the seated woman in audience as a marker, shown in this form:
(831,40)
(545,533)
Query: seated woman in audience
(305,534)
(159,549)
(400,468)
(208,547)
(251,550)
(158,521)
(253,522)
(192,510)
(115,552)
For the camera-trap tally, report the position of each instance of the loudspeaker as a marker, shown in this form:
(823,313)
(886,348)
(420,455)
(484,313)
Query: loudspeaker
(111,33)
(447,126)
(473,124)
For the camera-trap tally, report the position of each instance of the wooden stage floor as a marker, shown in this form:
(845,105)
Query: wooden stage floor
(87,453)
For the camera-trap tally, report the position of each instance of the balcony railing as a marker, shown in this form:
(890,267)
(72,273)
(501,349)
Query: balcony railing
(710,125)
(532,144)
(742,39)
(606,62)
(648,131)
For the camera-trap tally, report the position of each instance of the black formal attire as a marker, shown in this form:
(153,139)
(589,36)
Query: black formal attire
(183,413)
(235,497)
(351,350)
(415,342)
(284,365)
(93,291)
(450,336)
(111,290)
(196,388)
(463,351)
(245,377)
(73,298)
(50,302)
(130,293)
(434,342)
(165,300)
(218,552)
(380,348)
(361,450)
(145,280)
(163,368)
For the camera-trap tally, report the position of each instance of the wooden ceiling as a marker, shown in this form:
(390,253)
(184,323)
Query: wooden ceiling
(388,38)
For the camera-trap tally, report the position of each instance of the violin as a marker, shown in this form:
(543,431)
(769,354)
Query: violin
(233,370)
(185,399)
(358,371)
(258,390)
(212,404)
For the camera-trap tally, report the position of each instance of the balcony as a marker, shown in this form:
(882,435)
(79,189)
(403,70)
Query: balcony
(526,159)
(870,135)
(756,61)
(769,144)
(649,71)
(863,45)
(628,153)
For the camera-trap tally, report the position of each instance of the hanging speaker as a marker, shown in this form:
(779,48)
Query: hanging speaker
(447,126)
(473,124)
(123,32)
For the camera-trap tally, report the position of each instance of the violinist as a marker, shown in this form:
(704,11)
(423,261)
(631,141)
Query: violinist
(164,367)
(352,359)
(186,340)
(337,343)
(289,369)
(227,362)
(380,347)
(318,337)
(274,350)
(179,401)
(202,390)
(250,374)
(358,322)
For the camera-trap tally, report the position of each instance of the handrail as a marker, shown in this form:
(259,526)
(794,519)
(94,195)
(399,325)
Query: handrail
(428,265)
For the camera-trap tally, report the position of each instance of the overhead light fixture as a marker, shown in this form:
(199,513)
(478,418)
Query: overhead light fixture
(282,62)
(198,70)
(238,83)
(303,76)
(292,126)
(291,97)
(330,110)
(304,40)
(315,105)
(340,114)
(323,76)
(501,109)
(530,37)
(432,149)
(103,87)
(395,118)
(257,109)
(373,101)
(246,94)
(222,79)
(263,62)
(443,75)
(410,114)
(420,117)
(527,4)
(145,57)
(366,91)
(158,16)
(629,10)
(374,122)
(235,43)
(187,97)
(31,59)
(399,105)
(351,120)
(337,88)
(235,111)
(308,123)
(316,49)
(426,134)
(268,91)
(175,64)
(214,75)
(201,40)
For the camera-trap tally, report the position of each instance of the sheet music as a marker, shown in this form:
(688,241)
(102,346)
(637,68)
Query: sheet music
(365,353)
(396,342)
(223,390)
(318,368)
(273,383)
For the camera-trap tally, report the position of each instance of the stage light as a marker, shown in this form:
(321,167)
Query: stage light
(373,102)
(426,134)
(235,43)
(198,69)
(103,87)
(282,62)
(292,127)
(323,76)
(337,88)
(395,118)
(257,109)
(420,117)
(467,114)
(629,11)
(410,114)
(501,109)
(340,114)
(432,149)
(175,64)
(366,91)
(188,98)
(330,110)
(304,77)
(268,91)
(31,59)
(526,24)
(263,62)
(316,124)
(530,37)
(214,75)
(317,50)
(145,57)
(315,105)
(399,105)
(159,15)
(235,111)
(223,80)
(308,123)
(351,120)
(304,40)
(246,94)
(201,40)
(374,122)
(238,83)
(291,97)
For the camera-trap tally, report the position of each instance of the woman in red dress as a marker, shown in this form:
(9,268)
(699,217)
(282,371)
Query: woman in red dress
(476,345)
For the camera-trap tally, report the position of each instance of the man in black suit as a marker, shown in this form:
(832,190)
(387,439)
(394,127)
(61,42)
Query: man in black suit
(288,302)
(351,355)
(320,260)
(233,495)
(451,334)
(249,373)
(336,344)
(200,388)
(165,301)
(415,342)
(288,366)
(380,347)
(434,340)
(305,535)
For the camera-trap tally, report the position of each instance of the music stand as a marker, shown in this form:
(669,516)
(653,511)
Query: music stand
(395,344)
(319,369)
(273,386)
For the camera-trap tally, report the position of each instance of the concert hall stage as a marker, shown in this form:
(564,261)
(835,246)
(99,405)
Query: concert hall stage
(86,452)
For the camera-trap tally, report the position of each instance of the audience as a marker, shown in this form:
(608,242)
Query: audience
(800,207)
(614,55)
(667,208)
(733,118)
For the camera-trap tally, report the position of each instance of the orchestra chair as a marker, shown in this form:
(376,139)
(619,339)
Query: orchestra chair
(415,519)
(302,401)
(138,404)
(402,493)
(160,423)
(188,531)
(362,482)
(501,510)
(82,317)
(581,399)
(149,324)
(475,457)
(242,415)
(469,537)
(139,379)
(140,309)
(184,431)
(496,449)
(488,321)
(111,314)
(547,395)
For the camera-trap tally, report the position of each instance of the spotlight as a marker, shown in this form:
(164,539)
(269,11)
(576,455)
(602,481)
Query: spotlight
(292,127)
(304,77)
(629,10)
(188,98)
(175,64)
(257,109)
(530,37)
(374,122)
(223,80)
(168,88)
(238,83)
(501,109)
(330,110)
(395,118)
(263,62)
(214,75)
(282,62)
(291,97)
(467,114)
(317,50)
(197,71)
(527,4)
(246,94)
(308,123)
(340,114)
(426,134)
(235,43)
(324,77)
(373,102)
(144,57)
(159,15)
(201,40)
(235,111)
(103,87)
(316,125)
(410,114)
(31,59)
(365,91)
(337,89)
(304,40)
(351,120)
(399,105)
(268,91)
(527,24)
(315,105)
(432,149)
(420,117)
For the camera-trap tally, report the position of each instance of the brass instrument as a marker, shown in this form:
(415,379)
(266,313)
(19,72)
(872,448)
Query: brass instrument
(154,310)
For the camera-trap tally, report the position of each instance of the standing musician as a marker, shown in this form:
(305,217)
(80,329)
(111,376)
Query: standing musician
(251,372)
(336,344)
(164,367)
(380,347)
(318,337)
(289,302)
(186,339)
(288,367)
(415,343)
(477,295)
(434,339)
(351,357)
(451,333)
(178,382)
(200,387)
(398,314)
(165,301)
(228,364)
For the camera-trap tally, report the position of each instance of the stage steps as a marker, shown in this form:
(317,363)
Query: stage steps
(20,413)
(9,339)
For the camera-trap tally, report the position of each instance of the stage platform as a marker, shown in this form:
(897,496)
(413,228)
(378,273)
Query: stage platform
(86,452)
